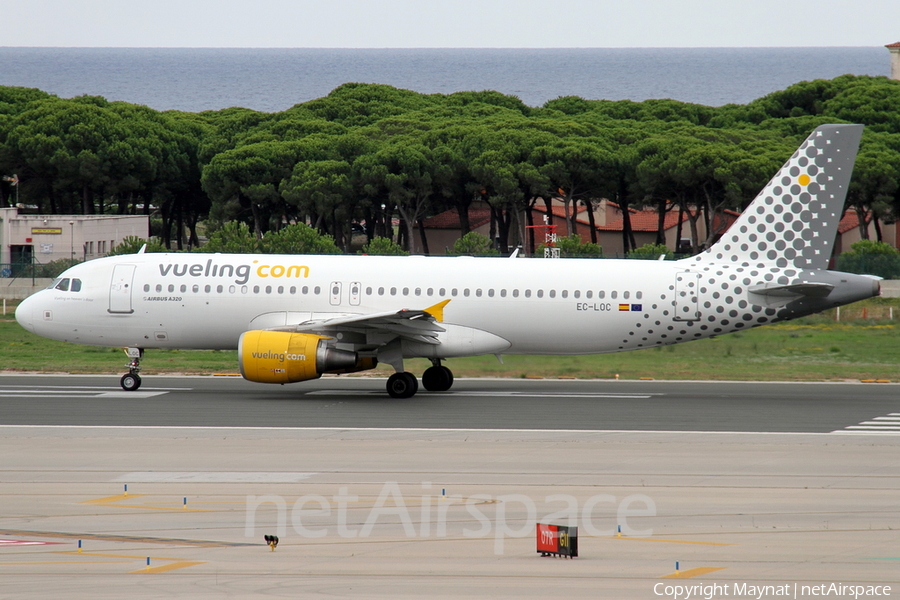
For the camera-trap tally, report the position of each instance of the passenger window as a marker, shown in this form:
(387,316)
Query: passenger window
(256,289)
(528,293)
(335,290)
(268,289)
(317,290)
(418,291)
(515,293)
(466,292)
(576,294)
(368,291)
(406,291)
(601,294)
(146,287)
(553,293)
(195,289)
(393,291)
(294,290)
(478,292)
(588,294)
(503,293)
(565,293)
(244,289)
(220,289)
(207,288)
(625,295)
(171,287)
(540,293)
(430,292)
(613,295)
(158,287)
(183,289)
(63,285)
(232,289)
(304,290)
(280,289)
(442,292)
(453,292)
(381,291)
(639,295)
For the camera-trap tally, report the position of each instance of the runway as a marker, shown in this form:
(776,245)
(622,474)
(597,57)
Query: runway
(739,484)
(472,404)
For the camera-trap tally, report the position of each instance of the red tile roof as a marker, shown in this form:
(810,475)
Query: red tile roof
(849,221)
(449,219)
(894,45)
(645,220)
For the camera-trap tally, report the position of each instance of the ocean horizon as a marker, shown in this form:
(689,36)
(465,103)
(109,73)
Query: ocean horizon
(274,79)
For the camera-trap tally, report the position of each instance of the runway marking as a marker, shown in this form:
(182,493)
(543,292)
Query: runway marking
(178,563)
(633,539)
(112,500)
(692,572)
(886,425)
(130,539)
(212,477)
(60,391)
(164,568)
(356,393)
(9,543)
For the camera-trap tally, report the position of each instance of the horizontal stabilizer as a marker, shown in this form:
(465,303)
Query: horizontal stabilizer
(776,295)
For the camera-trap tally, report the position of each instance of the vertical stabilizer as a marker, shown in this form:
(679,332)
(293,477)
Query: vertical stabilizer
(793,221)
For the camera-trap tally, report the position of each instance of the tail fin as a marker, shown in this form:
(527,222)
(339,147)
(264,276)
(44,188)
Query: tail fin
(794,219)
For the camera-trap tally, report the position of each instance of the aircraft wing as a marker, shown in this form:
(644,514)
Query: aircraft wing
(379,328)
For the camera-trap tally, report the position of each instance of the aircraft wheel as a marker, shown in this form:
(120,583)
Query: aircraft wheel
(130,382)
(437,379)
(402,385)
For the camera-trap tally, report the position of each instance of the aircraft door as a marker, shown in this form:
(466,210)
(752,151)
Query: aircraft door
(355,293)
(687,296)
(120,289)
(335,293)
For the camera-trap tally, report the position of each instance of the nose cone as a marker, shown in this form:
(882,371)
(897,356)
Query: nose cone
(25,313)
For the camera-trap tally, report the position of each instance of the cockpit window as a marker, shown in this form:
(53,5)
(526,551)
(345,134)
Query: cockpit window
(76,285)
(63,285)
(53,284)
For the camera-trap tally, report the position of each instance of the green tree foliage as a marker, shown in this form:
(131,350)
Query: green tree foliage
(651,252)
(383,156)
(871,258)
(382,246)
(572,247)
(473,244)
(299,238)
(132,244)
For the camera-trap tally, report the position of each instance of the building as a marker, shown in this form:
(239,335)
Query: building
(895,60)
(28,239)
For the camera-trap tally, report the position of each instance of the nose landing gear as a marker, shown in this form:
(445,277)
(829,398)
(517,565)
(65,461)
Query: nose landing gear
(131,380)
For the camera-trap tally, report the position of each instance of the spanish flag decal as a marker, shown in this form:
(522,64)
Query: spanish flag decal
(624,307)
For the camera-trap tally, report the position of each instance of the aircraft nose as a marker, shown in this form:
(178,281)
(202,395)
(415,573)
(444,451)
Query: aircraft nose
(25,313)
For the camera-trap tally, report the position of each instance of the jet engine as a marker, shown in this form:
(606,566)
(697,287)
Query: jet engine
(284,357)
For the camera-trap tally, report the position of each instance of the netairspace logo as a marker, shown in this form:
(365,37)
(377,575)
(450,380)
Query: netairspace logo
(426,515)
(787,590)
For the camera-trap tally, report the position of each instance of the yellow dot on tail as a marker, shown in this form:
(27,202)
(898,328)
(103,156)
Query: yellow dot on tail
(804,179)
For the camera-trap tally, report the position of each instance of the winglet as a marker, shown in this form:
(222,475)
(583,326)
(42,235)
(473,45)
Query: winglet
(437,311)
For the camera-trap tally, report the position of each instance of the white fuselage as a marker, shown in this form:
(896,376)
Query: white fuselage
(566,306)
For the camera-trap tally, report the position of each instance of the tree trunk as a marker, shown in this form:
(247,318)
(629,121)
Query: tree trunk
(424,238)
(589,205)
(661,223)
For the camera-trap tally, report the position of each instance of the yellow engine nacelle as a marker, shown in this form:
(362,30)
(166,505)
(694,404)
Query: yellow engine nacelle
(284,357)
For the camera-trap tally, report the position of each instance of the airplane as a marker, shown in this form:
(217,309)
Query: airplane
(294,318)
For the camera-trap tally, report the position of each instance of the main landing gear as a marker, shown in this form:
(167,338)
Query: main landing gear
(131,380)
(436,378)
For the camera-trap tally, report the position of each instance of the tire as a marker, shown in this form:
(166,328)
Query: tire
(402,385)
(130,382)
(437,379)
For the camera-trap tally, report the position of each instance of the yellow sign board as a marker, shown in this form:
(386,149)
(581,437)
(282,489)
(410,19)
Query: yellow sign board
(46,231)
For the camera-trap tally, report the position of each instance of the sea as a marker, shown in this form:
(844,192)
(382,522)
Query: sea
(272,80)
